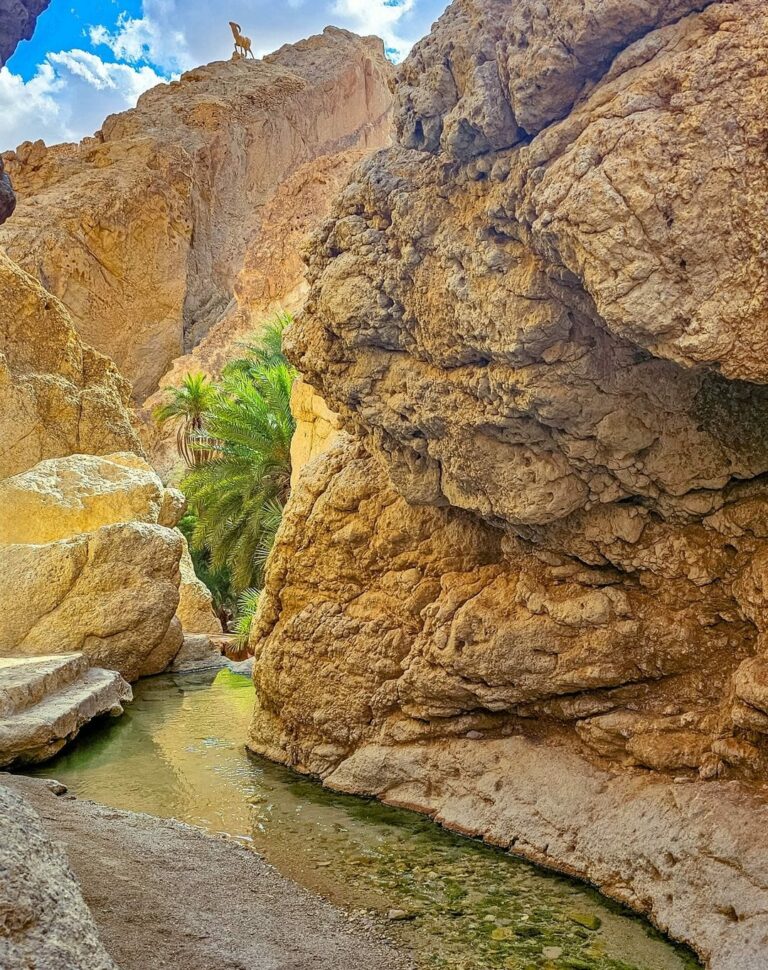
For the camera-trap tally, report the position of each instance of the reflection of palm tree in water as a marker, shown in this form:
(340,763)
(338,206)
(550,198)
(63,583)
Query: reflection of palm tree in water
(242,44)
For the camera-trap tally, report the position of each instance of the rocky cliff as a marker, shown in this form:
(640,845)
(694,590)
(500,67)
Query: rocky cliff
(17,22)
(166,224)
(528,593)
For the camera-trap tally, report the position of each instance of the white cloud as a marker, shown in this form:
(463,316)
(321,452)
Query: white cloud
(379,17)
(69,96)
(155,37)
(73,91)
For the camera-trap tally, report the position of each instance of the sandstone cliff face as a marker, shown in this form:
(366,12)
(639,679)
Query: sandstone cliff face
(57,396)
(542,316)
(153,231)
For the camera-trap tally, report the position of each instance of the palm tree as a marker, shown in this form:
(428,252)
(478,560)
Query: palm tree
(267,348)
(238,492)
(190,403)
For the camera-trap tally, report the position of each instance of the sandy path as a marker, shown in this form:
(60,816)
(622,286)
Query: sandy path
(166,896)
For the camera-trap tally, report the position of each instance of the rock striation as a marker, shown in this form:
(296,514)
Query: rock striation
(57,396)
(44,701)
(171,220)
(541,318)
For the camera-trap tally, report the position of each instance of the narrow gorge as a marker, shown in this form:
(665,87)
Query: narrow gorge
(511,575)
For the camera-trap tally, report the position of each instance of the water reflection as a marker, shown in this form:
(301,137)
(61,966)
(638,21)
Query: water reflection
(178,752)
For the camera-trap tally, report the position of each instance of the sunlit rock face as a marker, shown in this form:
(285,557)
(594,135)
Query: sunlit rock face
(542,319)
(57,396)
(75,499)
(162,227)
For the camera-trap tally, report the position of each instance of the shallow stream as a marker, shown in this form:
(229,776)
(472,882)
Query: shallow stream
(178,752)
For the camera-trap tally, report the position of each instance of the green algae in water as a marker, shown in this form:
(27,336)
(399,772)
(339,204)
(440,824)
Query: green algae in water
(178,752)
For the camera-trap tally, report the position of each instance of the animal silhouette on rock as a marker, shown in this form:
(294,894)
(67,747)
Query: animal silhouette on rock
(242,44)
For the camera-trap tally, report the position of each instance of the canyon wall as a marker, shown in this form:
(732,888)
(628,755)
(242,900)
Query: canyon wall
(526,591)
(167,223)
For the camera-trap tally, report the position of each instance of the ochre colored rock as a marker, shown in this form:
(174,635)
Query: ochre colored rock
(65,497)
(110,594)
(542,320)
(152,231)
(57,396)
(317,428)
(195,610)
(62,497)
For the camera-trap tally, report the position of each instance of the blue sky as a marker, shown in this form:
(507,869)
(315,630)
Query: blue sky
(89,58)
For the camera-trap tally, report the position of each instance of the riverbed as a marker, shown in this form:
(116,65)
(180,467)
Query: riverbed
(178,752)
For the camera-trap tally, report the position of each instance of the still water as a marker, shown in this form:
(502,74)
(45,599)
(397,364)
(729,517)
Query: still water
(178,752)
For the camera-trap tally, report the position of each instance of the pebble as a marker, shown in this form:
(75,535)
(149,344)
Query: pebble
(552,952)
(588,920)
(398,914)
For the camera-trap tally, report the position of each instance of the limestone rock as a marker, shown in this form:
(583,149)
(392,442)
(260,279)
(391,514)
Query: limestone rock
(317,428)
(195,610)
(44,701)
(65,497)
(541,318)
(62,497)
(57,396)
(17,22)
(198,652)
(144,230)
(45,920)
(110,594)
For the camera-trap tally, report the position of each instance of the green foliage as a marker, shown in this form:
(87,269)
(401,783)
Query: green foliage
(189,404)
(263,352)
(218,581)
(247,605)
(234,492)
(241,478)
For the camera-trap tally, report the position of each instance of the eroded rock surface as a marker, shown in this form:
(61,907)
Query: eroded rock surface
(165,223)
(44,917)
(45,701)
(542,319)
(64,498)
(57,396)
(111,594)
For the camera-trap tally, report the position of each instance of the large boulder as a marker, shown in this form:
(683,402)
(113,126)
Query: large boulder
(66,497)
(111,594)
(543,318)
(44,921)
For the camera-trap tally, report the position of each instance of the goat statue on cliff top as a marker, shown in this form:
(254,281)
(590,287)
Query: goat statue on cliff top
(242,44)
